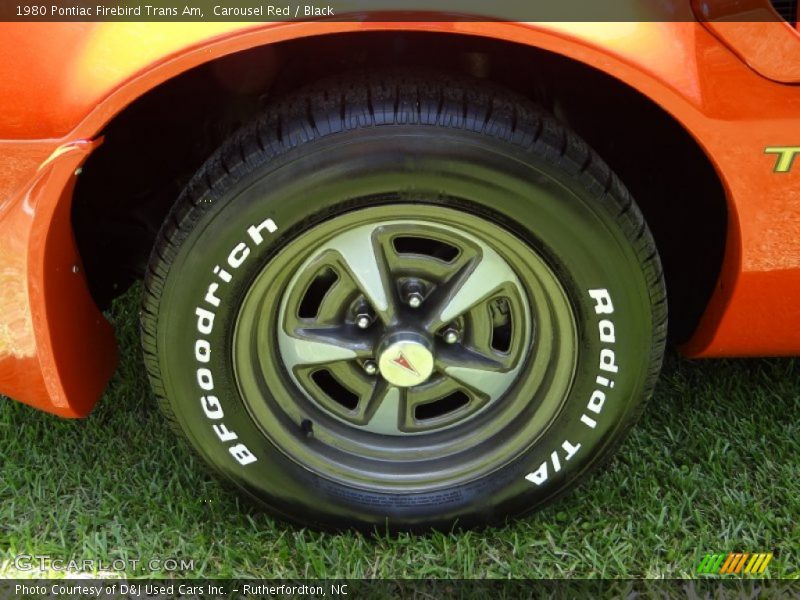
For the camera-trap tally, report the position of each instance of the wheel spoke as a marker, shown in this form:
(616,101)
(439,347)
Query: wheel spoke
(383,409)
(475,370)
(475,283)
(345,336)
(363,258)
(299,351)
(462,356)
(490,383)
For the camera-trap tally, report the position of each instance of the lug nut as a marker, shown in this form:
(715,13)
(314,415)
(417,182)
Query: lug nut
(370,367)
(415,299)
(451,336)
(363,321)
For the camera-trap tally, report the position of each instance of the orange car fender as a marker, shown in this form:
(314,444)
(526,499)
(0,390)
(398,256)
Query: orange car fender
(675,64)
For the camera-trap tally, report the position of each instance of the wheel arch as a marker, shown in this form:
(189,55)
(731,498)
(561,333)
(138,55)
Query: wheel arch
(658,94)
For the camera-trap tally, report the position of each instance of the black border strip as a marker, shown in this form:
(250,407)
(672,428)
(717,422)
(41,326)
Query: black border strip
(389,10)
(354,589)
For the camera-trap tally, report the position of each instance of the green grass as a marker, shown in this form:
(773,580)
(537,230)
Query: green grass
(714,466)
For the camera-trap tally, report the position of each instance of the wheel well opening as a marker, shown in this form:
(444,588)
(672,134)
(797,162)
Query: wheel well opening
(156,144)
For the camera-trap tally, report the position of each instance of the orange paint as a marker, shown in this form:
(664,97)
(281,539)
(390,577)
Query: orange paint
(63,82)
(756,33)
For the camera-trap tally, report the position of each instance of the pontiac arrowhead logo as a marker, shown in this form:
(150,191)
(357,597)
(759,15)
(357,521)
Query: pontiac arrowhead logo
(402,361)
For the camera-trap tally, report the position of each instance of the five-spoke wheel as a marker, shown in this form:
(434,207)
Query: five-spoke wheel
(394,332)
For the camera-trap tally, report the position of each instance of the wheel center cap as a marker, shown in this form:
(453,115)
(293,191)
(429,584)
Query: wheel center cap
(406,359)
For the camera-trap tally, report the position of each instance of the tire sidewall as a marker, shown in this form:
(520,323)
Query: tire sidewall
(571,224)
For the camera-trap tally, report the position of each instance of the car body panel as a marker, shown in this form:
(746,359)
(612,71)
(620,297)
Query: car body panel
(771,48)
(757,34)
(64,82)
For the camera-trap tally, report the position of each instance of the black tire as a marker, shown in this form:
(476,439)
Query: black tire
(405,145)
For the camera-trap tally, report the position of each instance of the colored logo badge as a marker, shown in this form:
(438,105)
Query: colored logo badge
(735,563)
(403,362)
